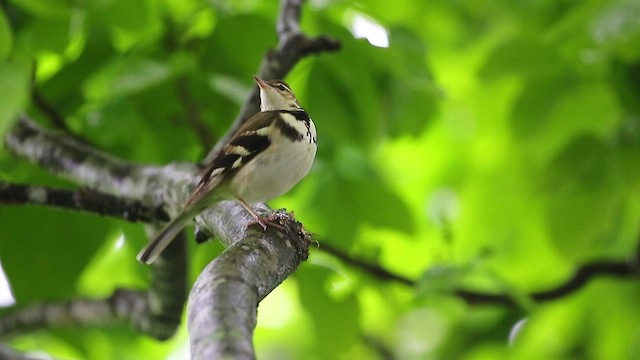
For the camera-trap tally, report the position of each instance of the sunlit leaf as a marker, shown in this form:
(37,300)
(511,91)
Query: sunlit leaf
(334,320)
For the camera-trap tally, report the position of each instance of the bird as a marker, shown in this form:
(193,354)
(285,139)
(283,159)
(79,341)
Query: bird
(269,154)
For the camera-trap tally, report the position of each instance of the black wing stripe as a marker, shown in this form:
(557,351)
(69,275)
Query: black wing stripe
(300,115)
(226,161)
(252,142)
(288,130)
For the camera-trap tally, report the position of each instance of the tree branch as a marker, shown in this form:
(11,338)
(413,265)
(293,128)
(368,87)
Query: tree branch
(121,306)
(157,186)
(222,304)
(7,353)
(372,269)
(581,277)
(84,199)
(156,312)
(167,294)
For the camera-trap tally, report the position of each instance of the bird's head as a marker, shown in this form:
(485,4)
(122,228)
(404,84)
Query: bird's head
(276,95)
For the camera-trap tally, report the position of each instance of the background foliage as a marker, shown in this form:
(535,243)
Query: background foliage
(492,146)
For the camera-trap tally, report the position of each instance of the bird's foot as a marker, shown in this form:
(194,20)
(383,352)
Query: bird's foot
(266,221)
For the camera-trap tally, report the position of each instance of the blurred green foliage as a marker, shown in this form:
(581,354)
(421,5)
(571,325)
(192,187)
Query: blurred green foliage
(492,146)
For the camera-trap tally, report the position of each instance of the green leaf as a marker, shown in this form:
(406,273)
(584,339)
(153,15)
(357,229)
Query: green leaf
(411,100)
(131,23)
(335,321)
(440,280)
(6,36)
(616,27)
(126,77)
(353,203)
(582,186)
(243,42)
(57,246)
(343,81)
(53,40)
(526,55)
(550,112)
(45,8)
(14,92)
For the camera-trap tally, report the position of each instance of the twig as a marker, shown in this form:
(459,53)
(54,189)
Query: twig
(580,278)
(373,269)
(55,118)
(379,347)
(84,199)
(192,113)
(51,113)
(584,274)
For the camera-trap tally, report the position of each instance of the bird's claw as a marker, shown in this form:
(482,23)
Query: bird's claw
(265,222)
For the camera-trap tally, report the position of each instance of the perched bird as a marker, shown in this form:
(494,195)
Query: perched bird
(267,156)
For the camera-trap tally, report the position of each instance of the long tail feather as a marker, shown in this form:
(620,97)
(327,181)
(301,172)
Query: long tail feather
(164,237)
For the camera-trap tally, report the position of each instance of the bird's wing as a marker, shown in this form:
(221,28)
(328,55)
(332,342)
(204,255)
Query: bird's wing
(251,139)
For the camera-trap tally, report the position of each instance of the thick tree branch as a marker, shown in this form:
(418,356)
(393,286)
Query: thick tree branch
(156,312)
(121,306)
(289,18)
(167,294)
(292,47)
(155,186)
(69,158)
(83,199)
(222,304)
(7,353)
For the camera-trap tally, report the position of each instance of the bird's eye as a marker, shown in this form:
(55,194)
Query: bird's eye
(281,87)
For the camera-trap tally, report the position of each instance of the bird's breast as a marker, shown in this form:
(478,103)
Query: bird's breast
(282,165)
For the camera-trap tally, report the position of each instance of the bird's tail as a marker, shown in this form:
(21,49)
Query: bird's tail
(164,237)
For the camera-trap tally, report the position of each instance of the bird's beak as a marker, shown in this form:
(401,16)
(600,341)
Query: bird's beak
(261,83)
